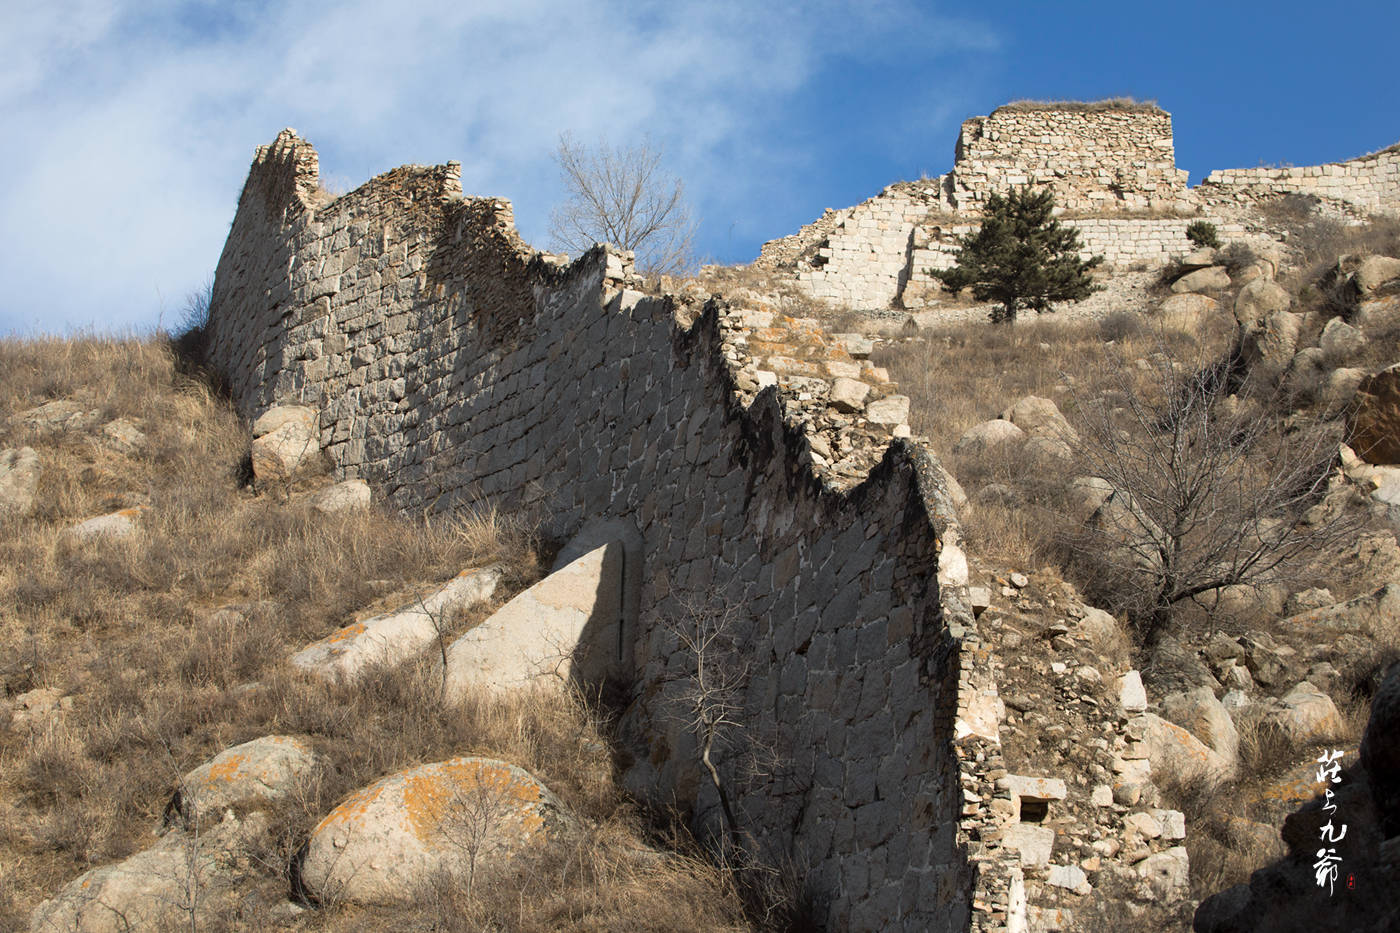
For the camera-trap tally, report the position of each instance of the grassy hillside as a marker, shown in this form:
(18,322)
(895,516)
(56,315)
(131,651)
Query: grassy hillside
(167,646)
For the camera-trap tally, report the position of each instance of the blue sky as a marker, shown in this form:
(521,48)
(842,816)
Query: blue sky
(129,126)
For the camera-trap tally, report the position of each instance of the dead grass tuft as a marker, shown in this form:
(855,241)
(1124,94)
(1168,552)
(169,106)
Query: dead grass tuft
(1081,106)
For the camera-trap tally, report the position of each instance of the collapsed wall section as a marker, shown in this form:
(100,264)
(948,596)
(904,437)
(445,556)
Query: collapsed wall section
(454,366)
(1371,182)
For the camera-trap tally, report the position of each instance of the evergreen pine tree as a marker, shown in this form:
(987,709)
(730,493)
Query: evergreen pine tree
(1021,256)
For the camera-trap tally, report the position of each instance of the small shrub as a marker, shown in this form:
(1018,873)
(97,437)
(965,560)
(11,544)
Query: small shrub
(1203,233)
(1120,325)
(1237,257)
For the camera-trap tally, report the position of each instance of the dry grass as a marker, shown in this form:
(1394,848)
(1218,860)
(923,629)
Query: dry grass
(159,681)
(1080,106)
(1221,853)
(960,375)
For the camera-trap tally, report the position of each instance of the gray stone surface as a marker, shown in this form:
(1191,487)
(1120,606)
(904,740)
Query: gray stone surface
(396,636)
(565,627)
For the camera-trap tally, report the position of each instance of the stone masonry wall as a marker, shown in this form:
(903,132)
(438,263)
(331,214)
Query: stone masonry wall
(1094,159)
(454,365)
(1371,182)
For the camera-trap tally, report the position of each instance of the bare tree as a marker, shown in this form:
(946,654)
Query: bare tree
(624,197)
(1192,481)
(711,685)
(474,818)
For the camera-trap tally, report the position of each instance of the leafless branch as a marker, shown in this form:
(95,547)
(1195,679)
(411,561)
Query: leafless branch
(622,196)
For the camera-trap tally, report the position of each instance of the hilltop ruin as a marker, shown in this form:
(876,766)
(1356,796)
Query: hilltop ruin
(1112,168)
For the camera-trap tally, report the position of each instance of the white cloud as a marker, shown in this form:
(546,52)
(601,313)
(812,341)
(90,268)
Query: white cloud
(130,125)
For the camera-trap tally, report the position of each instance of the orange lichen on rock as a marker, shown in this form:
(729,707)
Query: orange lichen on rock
(429,797)
(354,806)
(225,769)
(344,633)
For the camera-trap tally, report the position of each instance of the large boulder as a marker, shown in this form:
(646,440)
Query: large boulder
(1340,342)
(1210,279)
(1201,714)
(1273,341)
(1376,614)
(1257,300)
(1186,311)
(1308,715)
(1040,417)
(1374,272)
(286,445)
(1375,418)
(563,627)
(450,819)
(397,636)
(1179,756)
(1305,375)
(352,495)
(261,771)
(58,416)
(184,881)
(119,524)
(981,438)
(19,477)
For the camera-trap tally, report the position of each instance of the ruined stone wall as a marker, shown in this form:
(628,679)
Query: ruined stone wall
(1371,182)
(453,365)
(1093,158)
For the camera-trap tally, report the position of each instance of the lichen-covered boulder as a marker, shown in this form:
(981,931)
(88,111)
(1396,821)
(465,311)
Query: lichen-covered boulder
(397,636)
(58,416)
(261,771)
(386,843)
